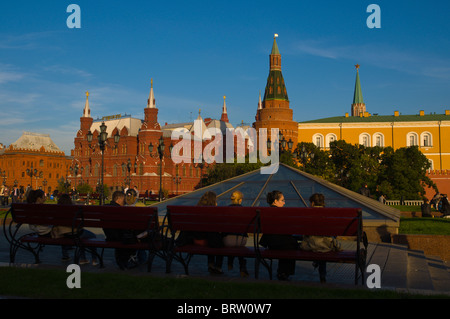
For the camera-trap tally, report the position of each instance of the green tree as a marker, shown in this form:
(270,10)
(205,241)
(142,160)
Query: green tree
(403,173)
(222,171)
(84,188)
(315,161)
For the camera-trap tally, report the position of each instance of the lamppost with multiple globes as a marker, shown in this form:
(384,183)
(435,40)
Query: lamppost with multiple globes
(160,149)
(127,168)
(177,180)
(33,172)
(282,143)
(102,140)
(3,175)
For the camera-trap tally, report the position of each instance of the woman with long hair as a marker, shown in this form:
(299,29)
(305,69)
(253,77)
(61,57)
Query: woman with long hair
(286,267)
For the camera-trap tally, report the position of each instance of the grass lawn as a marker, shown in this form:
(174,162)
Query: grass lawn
(51,283)
(424,226)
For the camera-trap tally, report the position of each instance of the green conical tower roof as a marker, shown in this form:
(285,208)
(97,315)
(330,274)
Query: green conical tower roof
(275,46)
(275,87)
(358,97)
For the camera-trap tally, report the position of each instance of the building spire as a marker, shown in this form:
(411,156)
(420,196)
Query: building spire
(275,46)
(358,105)
(275,87)
(87,110)
(224,117)
(357,96)
(151,102)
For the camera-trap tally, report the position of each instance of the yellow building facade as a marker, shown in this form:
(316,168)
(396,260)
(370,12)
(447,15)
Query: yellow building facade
(429,132)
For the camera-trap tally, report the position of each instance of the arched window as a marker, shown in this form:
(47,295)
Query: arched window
(364,139)
(412,139)
(318,140)
(426,139)
(330,138)
(378,139)
(432,164)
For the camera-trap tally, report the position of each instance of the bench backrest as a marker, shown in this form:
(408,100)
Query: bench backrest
(326,221)
(233,219)
(119,217)
(320,221)
(43,214)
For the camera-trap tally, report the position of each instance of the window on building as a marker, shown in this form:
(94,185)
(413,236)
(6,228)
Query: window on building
(426,139)
(318,140)
(364,139)
(378,140)
(412,139)
(331,138)
(432,164)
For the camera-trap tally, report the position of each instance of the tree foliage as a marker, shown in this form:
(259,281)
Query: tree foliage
(396,174)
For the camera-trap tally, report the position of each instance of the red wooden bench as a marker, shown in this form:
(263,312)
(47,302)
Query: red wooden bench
(269,220)
(79,216)
(324,221)
(232,219)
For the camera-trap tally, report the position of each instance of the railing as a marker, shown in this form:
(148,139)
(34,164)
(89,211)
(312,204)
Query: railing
(392,202)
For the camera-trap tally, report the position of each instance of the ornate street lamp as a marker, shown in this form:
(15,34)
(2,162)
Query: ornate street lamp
(3,174)
(177,179)
(290,144)
(160,148)
(102,140)
(127,169)
(32,172)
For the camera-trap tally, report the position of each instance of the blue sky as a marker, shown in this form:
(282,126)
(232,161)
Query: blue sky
(198,51)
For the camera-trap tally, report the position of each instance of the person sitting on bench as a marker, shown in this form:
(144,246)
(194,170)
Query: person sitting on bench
(233,240)
(286,267)
(319,243)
